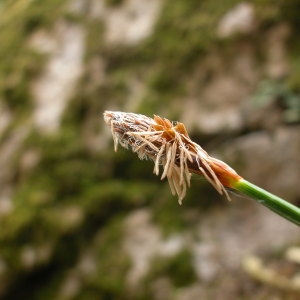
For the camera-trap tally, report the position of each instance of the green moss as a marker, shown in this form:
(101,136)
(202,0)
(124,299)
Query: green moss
(288,12)
(178,269)
(18,63)
(106,280)
(167,213)
(94,38)
(279,93)
(111,282)
(293,78)
(114,2)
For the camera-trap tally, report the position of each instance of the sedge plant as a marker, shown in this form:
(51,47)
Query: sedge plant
(168,145)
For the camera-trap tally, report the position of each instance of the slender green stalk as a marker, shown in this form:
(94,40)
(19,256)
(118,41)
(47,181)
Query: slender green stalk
(274,203)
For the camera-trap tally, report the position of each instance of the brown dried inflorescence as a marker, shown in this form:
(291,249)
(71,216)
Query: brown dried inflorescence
(168,145)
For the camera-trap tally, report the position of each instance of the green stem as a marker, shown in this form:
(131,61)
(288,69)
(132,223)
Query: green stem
(274,203)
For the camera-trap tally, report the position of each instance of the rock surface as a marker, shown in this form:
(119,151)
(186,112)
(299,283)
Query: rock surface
(78,221)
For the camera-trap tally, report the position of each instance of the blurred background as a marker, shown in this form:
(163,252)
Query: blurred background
(78,221)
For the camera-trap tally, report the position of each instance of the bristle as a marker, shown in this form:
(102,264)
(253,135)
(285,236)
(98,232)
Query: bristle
(167,144)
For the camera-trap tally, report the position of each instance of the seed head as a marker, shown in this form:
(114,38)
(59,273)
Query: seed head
(168,145)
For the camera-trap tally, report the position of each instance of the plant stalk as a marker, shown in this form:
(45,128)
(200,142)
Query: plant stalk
(274,203)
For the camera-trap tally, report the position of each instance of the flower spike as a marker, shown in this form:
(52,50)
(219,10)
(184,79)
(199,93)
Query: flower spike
(168,145)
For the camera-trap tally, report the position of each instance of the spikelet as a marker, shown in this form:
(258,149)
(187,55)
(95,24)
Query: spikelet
(168,145)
